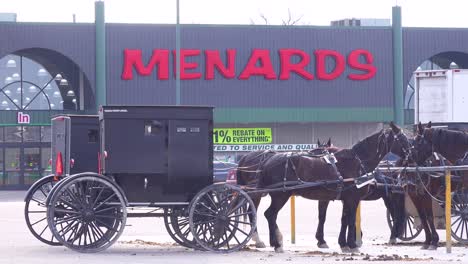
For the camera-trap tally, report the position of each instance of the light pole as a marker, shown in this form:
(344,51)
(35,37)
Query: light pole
(177,54)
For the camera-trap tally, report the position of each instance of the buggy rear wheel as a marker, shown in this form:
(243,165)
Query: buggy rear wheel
(178,226)
(35,210)
(410,232)
(87,213)
(216,215)
(460,216)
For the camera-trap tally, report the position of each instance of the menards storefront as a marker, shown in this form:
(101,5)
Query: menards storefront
(273,87)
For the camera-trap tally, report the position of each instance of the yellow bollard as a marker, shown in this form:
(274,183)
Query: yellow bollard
(448,212)
(358,225)
(293,219)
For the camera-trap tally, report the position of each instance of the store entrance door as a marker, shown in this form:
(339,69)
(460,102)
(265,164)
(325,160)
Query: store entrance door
(22,166)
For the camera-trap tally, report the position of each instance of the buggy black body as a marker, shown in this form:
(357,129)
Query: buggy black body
(154,161)
(158,154)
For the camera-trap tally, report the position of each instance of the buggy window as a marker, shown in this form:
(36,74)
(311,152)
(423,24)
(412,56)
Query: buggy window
(152,127)
(93,135)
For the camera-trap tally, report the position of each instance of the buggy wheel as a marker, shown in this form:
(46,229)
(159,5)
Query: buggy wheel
(410,232)
(216,218)
(460,216)
(87,213)
(178,226)
(35,210)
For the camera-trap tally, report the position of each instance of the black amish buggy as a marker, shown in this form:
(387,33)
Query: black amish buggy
(137,161)
(157,161)
(75,148)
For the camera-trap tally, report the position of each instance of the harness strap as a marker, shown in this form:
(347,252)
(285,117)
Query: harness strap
(288,155)
(340,185)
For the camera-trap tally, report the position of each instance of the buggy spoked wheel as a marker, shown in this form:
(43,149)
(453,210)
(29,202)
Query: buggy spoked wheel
(87,213)
(460,216)
(178,226)
(410,232)
(216,218)
(35,210)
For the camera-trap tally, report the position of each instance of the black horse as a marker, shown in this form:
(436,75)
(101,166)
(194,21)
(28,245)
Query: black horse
(337,182)
(434,147)
(247,173)
(393,198)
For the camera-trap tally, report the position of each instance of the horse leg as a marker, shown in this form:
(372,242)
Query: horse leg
(278,200)
(344,226)
(392,204)
(322,208)
(419,204)
(256,198)
(351,217)
(434,243)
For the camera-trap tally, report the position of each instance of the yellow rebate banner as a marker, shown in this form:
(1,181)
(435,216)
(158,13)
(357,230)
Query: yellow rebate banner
(242,136)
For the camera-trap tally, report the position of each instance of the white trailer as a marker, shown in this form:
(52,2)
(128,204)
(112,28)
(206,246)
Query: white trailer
(441,96)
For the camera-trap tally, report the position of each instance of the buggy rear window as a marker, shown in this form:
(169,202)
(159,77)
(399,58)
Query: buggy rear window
(152,127)
(93,135)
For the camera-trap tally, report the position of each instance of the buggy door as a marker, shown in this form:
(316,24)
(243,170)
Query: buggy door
(191,156)
(61,142)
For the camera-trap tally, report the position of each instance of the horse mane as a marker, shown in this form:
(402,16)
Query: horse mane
(446,140)
(361,147)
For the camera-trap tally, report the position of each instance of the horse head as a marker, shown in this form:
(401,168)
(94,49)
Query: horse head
(400,145)
(373,148)
(423,148)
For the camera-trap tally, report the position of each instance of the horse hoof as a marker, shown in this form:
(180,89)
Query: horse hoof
(323,245)
(354,250)
(260,244)
(432,247)
(345,249)
(279,250)
(425,247)
(392,241)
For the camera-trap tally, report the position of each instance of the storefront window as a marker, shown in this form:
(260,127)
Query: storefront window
(46,166)
(31,165)
(13,134)
(12,166)
(2,173)
(46,133)
(27,85)
(1,134)
(31,133)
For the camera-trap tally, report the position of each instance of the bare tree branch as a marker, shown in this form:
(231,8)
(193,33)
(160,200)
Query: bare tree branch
(289,22)
(297,20)
(264,18)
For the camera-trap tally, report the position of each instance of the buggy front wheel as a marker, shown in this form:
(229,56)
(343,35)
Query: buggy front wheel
(177,225)
(460,216)
(410,230)
(216,218)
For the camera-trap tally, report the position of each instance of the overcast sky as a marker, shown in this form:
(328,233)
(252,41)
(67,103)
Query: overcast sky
(416,13)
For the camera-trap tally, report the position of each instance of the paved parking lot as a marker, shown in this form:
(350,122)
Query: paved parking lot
(145,241)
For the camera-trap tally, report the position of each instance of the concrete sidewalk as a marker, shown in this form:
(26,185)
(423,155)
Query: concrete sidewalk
(12,196)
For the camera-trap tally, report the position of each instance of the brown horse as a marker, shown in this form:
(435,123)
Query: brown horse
(434,147)
(247,173)
(326,182)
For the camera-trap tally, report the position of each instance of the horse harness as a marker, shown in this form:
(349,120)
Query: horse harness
(328,157)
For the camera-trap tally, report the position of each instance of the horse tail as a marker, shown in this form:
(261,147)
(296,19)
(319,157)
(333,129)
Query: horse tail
(239,173)
(261,173)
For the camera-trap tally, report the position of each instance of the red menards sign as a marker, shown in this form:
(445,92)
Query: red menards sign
(258,64)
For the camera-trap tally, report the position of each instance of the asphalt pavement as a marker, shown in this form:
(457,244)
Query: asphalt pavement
(145,240)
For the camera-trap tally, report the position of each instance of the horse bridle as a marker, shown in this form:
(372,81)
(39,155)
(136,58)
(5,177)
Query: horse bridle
(400,137)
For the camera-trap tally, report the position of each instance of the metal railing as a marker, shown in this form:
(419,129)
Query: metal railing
(448,194)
